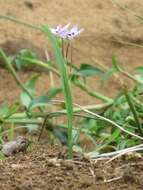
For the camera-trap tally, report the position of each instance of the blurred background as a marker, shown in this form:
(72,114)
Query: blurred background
(109,30)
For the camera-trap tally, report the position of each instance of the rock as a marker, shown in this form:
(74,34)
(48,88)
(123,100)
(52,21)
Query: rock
(20,144)
(29,4)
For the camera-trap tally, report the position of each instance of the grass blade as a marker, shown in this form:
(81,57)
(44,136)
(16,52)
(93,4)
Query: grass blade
(65,83)
(133,110)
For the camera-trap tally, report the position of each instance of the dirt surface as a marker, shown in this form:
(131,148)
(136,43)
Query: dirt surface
(44,167)
(108,30)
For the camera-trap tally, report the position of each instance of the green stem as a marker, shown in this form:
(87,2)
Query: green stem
(133,110)
(15,76)
(72,66)
(67,50)
(93,93)
(42,64)
(13,72)
(62,47)
(98,107)
(23,121)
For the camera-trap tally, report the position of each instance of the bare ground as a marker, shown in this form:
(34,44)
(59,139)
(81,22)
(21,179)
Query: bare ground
(44,167)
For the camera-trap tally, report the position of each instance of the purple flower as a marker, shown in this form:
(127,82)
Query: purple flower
(55,31)
(74,32)
(66,33)
(63,32)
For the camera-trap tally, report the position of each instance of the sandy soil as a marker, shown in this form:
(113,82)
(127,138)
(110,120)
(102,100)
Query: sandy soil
(44,168)
(108,30)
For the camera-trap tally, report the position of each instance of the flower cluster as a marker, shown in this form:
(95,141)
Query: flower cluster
(66,33)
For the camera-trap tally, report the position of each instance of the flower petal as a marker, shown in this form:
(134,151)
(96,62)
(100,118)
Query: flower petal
(64,32)
(74,32)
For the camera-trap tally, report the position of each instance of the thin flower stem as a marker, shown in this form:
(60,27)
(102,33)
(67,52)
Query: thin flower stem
(62,47)
(42,127)
(71,53)
(67,49)
(71,57)
(61,63)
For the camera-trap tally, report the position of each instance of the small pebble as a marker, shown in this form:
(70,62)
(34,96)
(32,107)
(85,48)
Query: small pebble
(20,144)
(29,4)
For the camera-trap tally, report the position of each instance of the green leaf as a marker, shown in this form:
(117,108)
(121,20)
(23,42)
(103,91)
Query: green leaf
(87,70)
(115,63)
(139,77)
(77,149)
(2,157)
(53,92)
(119,99)
(61,134)
(38,102)
(44,100)
(27,53)
(139,70)
(124,143)
(4,110)
(75,135)
(32,128)
(31,87)
(110,139)
(115,68)
(108,74)
(24,53)
(25,99)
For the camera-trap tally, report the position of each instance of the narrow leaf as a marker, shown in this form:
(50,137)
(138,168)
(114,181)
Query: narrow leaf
(65,83)
(87,70)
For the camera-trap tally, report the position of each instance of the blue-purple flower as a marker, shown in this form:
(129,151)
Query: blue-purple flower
(66,33)
(74,32)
